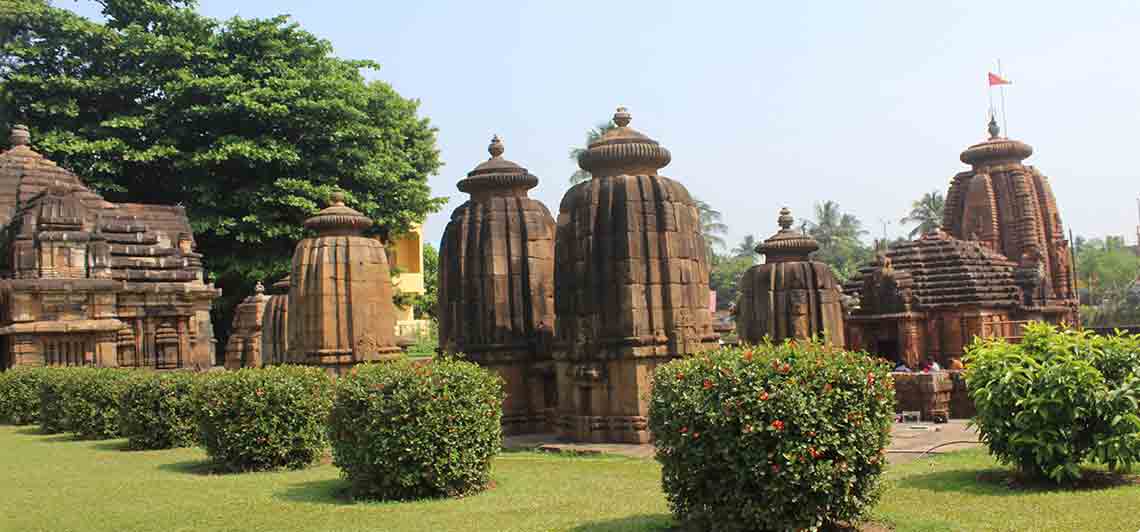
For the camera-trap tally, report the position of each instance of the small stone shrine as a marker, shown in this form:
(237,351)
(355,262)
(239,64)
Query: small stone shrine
(275,325)
(999,260)
(243,349)
(340,299)
(90,282)
(789,296)
(496,287)
(631,286)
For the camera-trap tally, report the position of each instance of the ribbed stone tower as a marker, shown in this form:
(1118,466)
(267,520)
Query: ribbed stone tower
(275,325)
(496,287)
(1010,209)
(340,302)
(789,296)
(631,277)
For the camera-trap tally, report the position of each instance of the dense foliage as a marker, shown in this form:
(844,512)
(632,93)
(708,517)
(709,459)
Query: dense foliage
(1107,271)
(53,390)
(156,411)
(785,437)
(1057,399)
(257,419)
(20,395)
(91,401)
(406,431)
(248,123)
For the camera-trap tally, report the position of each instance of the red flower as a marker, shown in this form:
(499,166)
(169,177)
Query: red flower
(778,425)
(259,392)
(684,430)
(775,468)
(696,435)
(785,368)
(680,375)
(707,384)
(827,387)
(748,355)
(870,378)
(763,396)
(814,453)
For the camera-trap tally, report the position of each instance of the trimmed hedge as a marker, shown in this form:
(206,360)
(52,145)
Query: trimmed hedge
(156,411)
(401,431)
(1057,399)
(20,395)
(91,401)
(258,419)
(53,391)
(786,437)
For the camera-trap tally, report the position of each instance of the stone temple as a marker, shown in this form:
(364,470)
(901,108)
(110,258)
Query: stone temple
(90,282)
(496,287)
(789,296)
(1000,259)
(631,286)
(340,296)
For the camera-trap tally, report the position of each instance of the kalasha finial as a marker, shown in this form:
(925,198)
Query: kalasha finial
(622,117)
(260,288)
(336,198)
(785,220)
(20,136)
(993,127)
(496,148)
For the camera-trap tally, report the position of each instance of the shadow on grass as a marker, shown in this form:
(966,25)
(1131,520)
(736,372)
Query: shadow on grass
(328,491)
(30,430)
(1004,482)
(636,523)
(195,467)
(111,445)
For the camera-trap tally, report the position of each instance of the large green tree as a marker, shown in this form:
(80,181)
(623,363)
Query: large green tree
(1108,270)
(926,212)
(248,123)
(840,239)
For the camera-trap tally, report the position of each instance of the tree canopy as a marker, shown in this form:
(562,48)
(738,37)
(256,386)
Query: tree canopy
(248,123)
(926,212)
(1107,270)
(593,134)
(840,239)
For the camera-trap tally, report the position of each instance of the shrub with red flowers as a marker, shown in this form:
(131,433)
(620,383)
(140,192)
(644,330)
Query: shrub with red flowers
(771,437)
(401,431)
(263,418)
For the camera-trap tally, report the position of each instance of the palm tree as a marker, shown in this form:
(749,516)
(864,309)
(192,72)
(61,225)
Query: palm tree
(712,227)
(746,248)
(839,237)
(927,212)
(593,134)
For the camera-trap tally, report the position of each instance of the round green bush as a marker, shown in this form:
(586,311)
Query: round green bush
(784,437)
(258,419)
(91,401)
(20,395)
(401,431)
(156,411)
(1057,399)
(53,390)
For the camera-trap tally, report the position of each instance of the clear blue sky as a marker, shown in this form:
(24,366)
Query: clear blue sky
(763,104)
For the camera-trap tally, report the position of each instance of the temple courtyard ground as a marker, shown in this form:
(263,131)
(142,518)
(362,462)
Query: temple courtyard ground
(56,483)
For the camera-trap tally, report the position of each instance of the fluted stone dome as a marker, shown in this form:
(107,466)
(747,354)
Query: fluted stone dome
(340,302)
(789,296)
(496,285)
(631,281)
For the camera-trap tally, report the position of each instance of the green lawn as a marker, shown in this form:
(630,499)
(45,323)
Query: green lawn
(58,484)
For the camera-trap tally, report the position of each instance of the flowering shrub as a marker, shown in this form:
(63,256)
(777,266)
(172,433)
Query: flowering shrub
(258,419)
(771,437)
(1057,399)
(20,395)
(91,401)
(53,384)
(400,431)
(156,411)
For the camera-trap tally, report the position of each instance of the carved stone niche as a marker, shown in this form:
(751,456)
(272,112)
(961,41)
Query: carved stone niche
(789,296)
(340,302)
(496,287)
(631,285)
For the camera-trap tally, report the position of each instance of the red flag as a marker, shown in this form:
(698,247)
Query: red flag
(998,80)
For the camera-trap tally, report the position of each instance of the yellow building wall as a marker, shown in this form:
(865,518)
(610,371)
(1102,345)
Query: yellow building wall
(406,256)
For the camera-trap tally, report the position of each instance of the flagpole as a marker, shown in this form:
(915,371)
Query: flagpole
(1004,124)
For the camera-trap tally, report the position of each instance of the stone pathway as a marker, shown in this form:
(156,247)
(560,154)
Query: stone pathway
(908,441)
